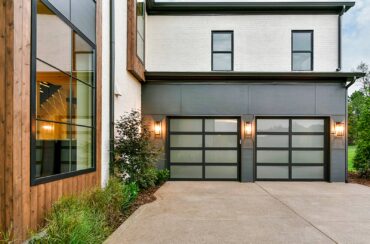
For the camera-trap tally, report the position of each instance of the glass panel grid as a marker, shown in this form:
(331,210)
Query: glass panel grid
(222,51)
(302,50)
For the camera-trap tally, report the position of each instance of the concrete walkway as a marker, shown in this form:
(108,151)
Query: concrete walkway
(263,212)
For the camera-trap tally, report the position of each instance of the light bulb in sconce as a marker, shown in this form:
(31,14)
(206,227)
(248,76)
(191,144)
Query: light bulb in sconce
(339,129)
(248,129)
(157,128)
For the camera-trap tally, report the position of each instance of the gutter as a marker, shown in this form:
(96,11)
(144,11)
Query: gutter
(340,38)
(111,82)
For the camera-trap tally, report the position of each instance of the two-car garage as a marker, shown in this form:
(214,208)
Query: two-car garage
(285,148)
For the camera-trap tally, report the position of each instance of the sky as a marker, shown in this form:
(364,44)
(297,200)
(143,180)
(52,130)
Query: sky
(355,31)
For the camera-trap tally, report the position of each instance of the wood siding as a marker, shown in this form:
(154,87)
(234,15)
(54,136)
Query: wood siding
(22,207)
(134,65)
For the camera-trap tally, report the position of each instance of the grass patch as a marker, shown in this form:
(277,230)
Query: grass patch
(351,155)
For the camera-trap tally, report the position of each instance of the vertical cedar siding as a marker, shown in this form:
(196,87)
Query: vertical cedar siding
(134,65)
(23,207)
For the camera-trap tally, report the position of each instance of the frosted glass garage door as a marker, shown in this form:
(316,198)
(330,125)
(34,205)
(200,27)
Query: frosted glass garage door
(291,148)
(204,148)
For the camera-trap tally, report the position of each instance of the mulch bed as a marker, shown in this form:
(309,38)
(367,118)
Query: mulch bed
(355,178)
(144,197)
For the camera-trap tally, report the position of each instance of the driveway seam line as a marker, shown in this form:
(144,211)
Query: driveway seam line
(295,212)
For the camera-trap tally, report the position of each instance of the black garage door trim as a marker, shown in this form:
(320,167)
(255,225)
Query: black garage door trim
(203,148)
(325,148)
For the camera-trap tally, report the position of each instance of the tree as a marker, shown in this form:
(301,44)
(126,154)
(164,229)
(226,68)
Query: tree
(355,102)
(365,81)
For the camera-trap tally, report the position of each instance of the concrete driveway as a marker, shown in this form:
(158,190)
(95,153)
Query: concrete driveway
(262,212)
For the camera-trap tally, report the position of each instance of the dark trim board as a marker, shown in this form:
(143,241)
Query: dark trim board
(201,7)
(298,76)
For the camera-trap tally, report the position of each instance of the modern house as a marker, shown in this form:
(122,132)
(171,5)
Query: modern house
(234,90)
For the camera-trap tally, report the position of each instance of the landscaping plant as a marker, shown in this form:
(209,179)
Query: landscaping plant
(135,152)
(162,176)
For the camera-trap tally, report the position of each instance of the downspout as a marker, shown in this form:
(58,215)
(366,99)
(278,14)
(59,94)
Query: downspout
(111,83)
(340,38)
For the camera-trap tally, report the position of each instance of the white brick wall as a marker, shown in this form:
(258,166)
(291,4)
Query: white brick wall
(261,42)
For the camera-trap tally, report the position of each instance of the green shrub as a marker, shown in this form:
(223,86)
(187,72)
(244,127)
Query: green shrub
(362,158)
(148,179)
(73,221)
(162,176)
(131,191)
(135,152)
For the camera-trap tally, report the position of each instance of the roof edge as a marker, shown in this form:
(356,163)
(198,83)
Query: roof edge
(165,8)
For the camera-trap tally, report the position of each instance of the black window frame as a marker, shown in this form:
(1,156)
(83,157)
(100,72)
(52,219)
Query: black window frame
(223,52)
(137,32)
(290,148)
(33,60)
(310,52)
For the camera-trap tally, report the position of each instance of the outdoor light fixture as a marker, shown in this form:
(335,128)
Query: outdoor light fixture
(157,128)
(339,128)
(248,129)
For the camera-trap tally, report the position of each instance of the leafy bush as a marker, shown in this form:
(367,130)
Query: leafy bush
(162,176)
(135,153)
(148,179)
(362,157)
(89,218)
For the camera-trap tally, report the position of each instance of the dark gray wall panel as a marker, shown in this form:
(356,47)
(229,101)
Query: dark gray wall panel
(330,99)
(337,165)
(214,99)
(62,6)
(161,99)
(247,165)
(282,99)
(83,17)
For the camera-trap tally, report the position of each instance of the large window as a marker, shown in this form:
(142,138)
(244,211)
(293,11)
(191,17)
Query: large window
(140,30)
(63,93)
(302,50)
(222,51)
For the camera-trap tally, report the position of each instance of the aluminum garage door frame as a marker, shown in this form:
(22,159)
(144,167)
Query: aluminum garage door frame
(325,148)
(203,148)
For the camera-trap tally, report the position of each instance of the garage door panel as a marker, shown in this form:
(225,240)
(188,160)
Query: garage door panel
(204,148)
(291,148)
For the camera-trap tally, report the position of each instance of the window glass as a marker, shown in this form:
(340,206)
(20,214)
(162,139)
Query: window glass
(307,141)
(221,141)
(302,41)
(314,157)
(273,125)
(268,156)
(222,61)
(221,125)
(307,125)
(222,42)
(62,6)
(83,60)
(186,140)
(194,172)
(52,94)
(140,29)
(186,156)
(186,125)
(64,93)
(53,39)
(221,156)
(221,172)
(83,17)
(307,172)
(272,172)
(301,61)
(272,140)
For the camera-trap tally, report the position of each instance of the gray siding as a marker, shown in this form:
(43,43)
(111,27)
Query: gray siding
(249,100)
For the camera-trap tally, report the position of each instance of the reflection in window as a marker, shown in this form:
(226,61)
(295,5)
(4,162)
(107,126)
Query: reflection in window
(222,50)
(140,29)
(302,53)
(64,107)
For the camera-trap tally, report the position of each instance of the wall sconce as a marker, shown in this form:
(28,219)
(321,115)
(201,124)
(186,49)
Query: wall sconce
(248,129)
(157,128)
(339,128)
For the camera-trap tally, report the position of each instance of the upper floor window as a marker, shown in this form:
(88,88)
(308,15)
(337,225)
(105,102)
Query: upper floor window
(302,50)
(140,30)
(222,51)
(63,93)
